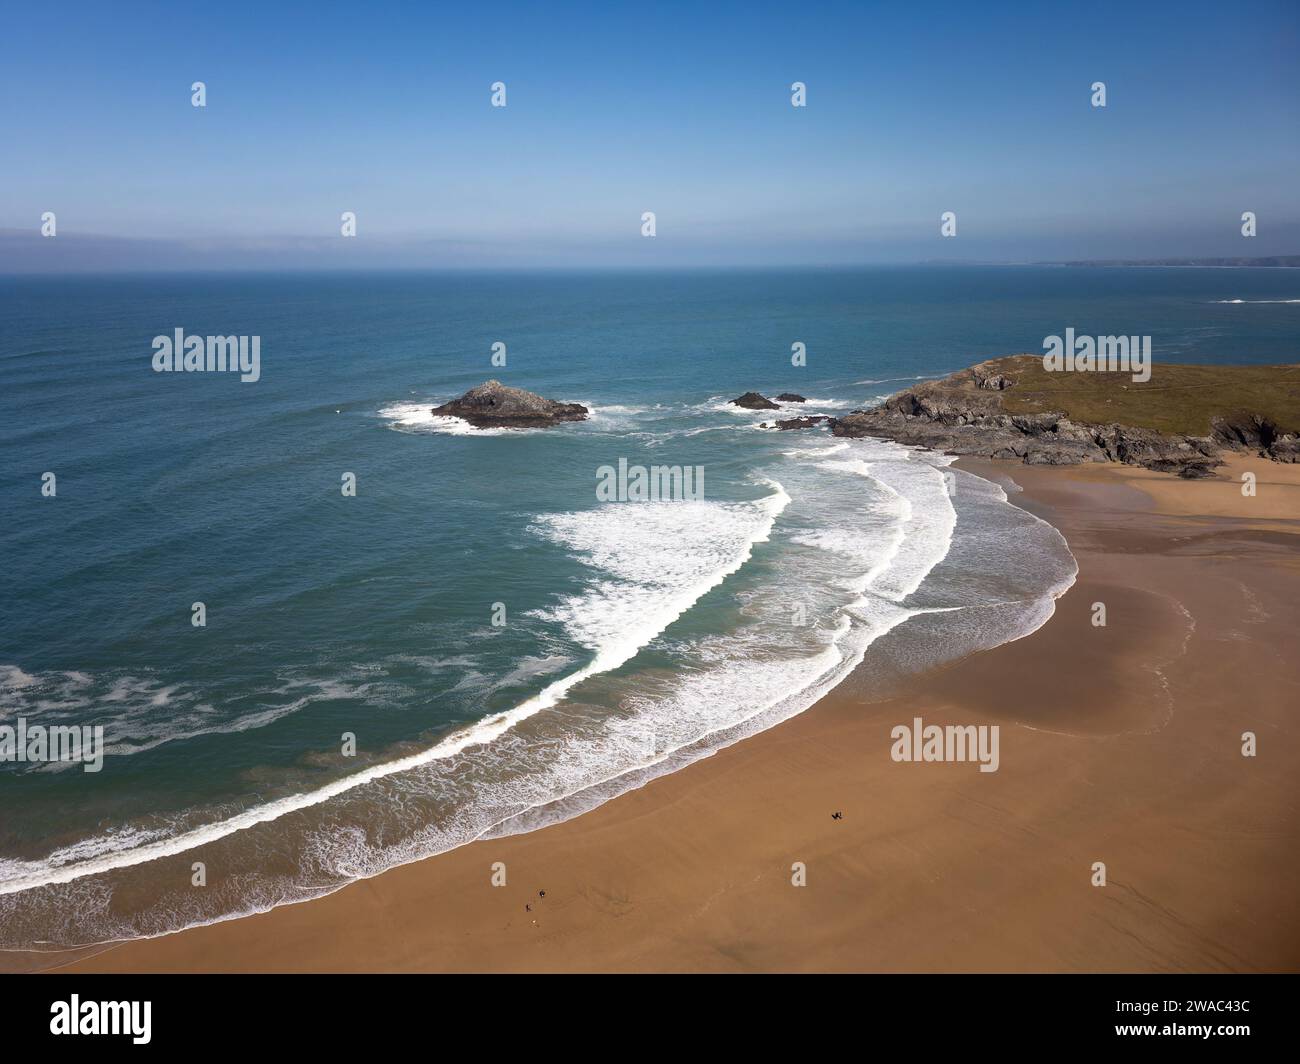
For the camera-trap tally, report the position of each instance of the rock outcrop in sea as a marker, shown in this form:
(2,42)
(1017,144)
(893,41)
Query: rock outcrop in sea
(806,421)
(754,401)
(496,405)
(966,413)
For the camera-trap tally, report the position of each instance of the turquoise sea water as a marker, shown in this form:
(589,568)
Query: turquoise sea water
(636,636)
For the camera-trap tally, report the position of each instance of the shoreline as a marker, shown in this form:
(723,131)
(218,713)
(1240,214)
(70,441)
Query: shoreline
(933,867)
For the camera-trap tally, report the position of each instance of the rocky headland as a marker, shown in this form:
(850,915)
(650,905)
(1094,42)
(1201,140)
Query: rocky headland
(1178,422)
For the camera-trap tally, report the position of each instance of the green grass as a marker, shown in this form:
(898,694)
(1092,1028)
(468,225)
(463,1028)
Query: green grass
(1177,399)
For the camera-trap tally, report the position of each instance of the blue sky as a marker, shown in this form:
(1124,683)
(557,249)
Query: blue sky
(682,109)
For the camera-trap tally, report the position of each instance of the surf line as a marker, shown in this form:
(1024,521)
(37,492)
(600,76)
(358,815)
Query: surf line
(770,506)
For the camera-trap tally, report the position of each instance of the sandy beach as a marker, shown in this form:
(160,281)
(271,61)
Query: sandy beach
(1119,744)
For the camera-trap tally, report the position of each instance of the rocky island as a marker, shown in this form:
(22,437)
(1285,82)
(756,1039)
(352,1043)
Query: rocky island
(496,405)
(758,401)
(754,401)
(1177,422)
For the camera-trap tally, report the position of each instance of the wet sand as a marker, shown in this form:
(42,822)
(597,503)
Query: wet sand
(1119,744)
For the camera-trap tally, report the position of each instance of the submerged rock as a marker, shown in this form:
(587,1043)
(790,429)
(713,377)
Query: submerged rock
(496,405)
(806,422)
(790,397)
(754,401)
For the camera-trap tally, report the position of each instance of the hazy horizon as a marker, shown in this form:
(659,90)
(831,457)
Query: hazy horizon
(675,110)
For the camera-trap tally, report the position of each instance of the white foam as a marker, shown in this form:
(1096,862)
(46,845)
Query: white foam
(643,585)
(928,525)
(744,682)
(721,405)
(127,707)
(813,404)
(613,648)
(419,417)
(891,380)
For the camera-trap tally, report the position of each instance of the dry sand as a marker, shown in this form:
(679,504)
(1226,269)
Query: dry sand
(1120,744)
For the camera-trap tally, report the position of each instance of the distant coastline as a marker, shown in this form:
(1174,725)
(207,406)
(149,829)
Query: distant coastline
(1280,262)
(1219,262)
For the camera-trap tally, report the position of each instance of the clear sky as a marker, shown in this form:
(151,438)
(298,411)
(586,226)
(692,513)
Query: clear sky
(614,109)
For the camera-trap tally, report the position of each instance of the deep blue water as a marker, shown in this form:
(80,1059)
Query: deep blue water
(636,635)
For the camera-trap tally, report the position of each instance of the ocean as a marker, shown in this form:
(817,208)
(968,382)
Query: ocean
(503,649)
